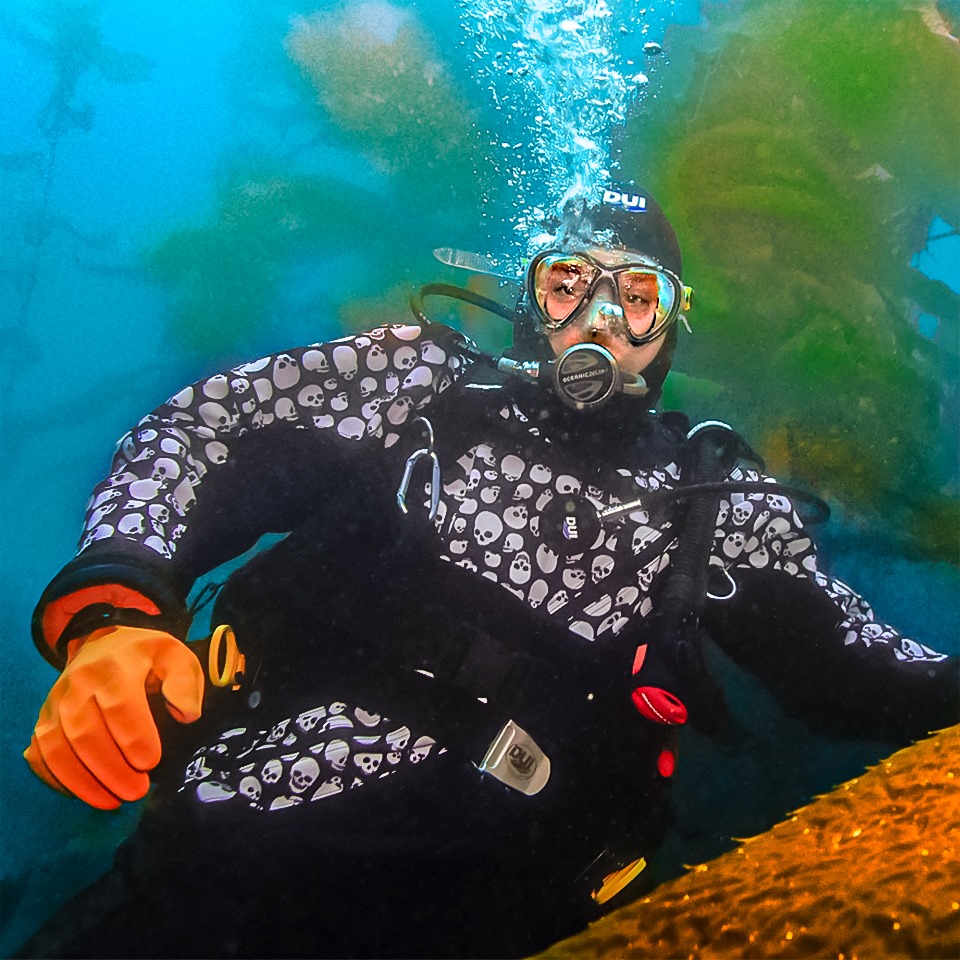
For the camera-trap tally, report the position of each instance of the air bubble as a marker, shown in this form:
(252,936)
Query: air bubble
(555,67)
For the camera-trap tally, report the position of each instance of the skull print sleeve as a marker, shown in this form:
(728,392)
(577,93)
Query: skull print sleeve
(814,641)
(246,440)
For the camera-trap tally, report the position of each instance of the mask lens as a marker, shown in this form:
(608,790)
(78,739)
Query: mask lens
(561,283)
(645,298)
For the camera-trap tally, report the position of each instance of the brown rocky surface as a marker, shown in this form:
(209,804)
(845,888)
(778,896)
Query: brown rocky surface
(870,870)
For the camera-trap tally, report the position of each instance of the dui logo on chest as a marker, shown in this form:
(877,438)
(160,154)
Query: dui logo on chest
(569,524)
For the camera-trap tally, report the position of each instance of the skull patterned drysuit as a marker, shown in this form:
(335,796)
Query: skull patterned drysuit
(333,804)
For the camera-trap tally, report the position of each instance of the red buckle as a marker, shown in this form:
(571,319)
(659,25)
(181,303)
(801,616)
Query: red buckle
(660,706)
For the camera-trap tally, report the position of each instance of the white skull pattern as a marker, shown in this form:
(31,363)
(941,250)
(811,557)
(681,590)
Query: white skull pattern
(369,763)
(404,358)
(303,774)
(399,738)
(272,771)
(345,360)
(520,568)
(512,467)
(251,789)
(336,754)
(601,567)
(286,372)
(421,748)
(487,527)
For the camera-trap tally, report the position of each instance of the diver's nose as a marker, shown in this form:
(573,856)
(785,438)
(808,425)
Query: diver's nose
(605,316)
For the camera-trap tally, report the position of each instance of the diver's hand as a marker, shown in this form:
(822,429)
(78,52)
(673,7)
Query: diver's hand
(96,738)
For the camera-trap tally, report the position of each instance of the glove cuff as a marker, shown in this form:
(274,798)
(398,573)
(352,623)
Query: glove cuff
(88,596)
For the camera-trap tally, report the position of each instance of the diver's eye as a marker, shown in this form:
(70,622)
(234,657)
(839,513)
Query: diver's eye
(567,287)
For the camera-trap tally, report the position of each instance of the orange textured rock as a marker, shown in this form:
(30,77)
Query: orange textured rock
(869,870)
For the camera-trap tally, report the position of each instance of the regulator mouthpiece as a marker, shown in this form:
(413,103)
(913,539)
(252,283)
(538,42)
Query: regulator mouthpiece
(585,375)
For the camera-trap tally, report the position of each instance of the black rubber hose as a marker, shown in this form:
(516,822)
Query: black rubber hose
(455,293)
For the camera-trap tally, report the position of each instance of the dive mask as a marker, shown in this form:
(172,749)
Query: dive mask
(561,285)
(558,289)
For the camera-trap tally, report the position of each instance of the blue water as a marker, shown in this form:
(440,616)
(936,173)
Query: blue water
(939,260)
(563,77)
(87,342)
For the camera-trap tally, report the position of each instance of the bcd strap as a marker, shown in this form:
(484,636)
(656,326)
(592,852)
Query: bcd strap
(713,450)
(483,667)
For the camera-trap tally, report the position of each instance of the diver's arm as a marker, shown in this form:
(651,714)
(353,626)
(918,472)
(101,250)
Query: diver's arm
(816,643)
(823,667)
(193,484)
(229,458)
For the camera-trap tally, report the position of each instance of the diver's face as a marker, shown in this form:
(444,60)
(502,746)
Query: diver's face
(608,317)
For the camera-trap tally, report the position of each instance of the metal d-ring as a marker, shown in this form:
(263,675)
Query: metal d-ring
(733,587)
(429,452)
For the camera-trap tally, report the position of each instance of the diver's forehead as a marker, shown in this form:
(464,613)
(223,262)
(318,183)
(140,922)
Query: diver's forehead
(615,256)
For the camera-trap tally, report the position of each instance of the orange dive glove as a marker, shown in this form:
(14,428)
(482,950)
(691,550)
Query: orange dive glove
(96,737)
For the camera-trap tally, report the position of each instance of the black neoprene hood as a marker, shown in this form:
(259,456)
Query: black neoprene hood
(621,216)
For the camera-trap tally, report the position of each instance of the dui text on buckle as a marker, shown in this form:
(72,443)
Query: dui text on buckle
(515,760)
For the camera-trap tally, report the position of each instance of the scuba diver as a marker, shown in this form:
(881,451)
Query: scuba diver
(440,716)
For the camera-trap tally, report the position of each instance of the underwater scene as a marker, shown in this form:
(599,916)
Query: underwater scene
(189,186)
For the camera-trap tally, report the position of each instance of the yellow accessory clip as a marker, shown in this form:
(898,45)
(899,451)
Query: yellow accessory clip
(613,883)
(234,661)
(685,307)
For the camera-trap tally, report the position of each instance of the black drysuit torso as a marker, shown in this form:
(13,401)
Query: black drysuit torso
(335,799)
